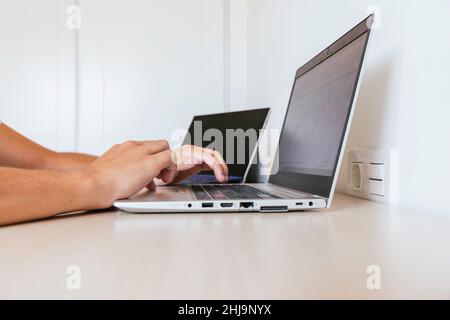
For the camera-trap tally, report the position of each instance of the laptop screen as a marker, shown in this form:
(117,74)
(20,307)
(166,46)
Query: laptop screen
(233,134)
(317,118)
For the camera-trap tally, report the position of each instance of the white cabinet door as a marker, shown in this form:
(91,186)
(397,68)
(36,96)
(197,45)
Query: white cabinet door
(37,71)
(146,67)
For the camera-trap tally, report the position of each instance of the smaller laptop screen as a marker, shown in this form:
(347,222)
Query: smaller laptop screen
(233,134)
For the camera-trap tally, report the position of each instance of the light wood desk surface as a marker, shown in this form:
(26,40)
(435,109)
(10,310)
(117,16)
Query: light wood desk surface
(321,254)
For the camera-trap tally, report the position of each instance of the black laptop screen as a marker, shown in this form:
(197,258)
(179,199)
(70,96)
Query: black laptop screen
(317,119)
(221,131)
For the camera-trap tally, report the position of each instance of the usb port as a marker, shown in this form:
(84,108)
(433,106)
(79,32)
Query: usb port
(207,205)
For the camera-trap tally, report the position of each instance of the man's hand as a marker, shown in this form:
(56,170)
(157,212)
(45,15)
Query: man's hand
(192,160)
(120,173)
(129,167)
(93,183)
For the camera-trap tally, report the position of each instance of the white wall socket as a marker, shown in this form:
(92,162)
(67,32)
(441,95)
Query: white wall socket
(369,174)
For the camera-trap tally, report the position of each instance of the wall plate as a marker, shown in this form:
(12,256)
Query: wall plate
(369,174)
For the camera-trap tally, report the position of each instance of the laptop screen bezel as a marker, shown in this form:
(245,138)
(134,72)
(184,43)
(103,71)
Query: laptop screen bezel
(316,184)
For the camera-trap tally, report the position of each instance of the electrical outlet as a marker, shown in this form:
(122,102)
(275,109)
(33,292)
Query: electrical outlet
(356,178)
(369,174)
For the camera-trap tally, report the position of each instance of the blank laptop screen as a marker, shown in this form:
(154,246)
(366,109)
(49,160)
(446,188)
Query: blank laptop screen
(316,120)
(242,120)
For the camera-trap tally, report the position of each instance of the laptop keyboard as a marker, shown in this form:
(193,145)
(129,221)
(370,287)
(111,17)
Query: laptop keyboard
(230,192)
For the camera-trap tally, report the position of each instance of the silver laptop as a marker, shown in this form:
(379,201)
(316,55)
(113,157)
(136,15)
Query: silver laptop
(311,146)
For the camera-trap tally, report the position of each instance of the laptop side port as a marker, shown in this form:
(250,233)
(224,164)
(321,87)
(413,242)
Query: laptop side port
(226,205)
(247,205)
(207,205)
(274,209)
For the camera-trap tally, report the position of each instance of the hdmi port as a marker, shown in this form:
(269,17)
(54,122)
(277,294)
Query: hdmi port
(226,205)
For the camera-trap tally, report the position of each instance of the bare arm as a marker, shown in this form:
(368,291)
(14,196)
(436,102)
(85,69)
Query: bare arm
(68,161)
(120,173)
(20,152)
(37,183)
(31,194)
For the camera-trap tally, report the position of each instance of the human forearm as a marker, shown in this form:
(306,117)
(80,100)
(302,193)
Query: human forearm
(68,161)
(121,172)
(18,151)
(31,194)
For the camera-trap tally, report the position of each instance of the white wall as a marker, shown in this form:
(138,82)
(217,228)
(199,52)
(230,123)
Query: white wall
(37,71)
(137,69)
(404,100)
(146,67)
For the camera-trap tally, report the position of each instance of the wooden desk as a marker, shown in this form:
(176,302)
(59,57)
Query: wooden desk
(249,256)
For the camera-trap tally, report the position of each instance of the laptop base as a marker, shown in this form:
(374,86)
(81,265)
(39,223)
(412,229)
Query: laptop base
(182,199)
